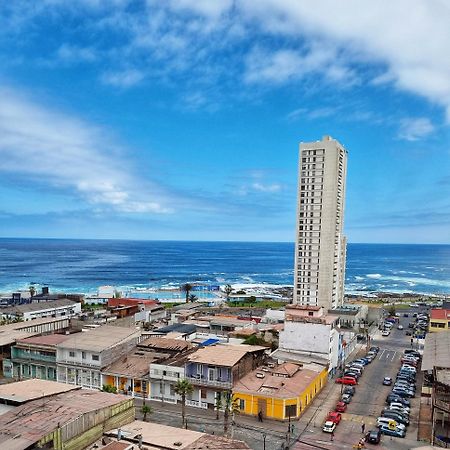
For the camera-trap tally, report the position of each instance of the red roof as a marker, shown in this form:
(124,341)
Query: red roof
(442,314)
(50,339)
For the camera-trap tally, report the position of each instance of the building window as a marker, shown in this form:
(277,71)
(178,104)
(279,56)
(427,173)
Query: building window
(72,354)
(241,404)
(290,411)
(437,325)
(95,358)
(83,355)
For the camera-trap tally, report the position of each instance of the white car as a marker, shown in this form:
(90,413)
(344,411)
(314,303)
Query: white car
(329,426)
(400,327)
(386,421)
(400,405)
(385,333)
(398,409)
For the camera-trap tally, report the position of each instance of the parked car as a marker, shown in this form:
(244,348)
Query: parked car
(341,407)
(334,416)
(350,373)
(400,327)
(397,432)
(415,353)
(387,381)
(388,422)
(373,436)
(400,405)
(346,398)
(408,333)
(329,426)
(347,380)
(396,398)
(400,418)
(405,315)
(349,390)
(403,392)
(374,349)
(385,333)
(398,409)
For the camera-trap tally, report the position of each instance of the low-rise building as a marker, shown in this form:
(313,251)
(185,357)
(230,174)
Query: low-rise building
(66,420)
(310,335)
(216,368)
(279,391)
(81,358)
(35,357)
(439,320)
(36,310)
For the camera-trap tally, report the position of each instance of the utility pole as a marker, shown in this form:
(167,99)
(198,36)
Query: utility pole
(264,435)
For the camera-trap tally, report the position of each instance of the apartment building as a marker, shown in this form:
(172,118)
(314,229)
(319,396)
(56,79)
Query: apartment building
(215,368)
(320,244)
(81,358)
(63,307)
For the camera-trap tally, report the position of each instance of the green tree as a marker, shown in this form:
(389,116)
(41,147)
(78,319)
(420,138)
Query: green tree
(186,288)
(109,388)
(391,310)
(193,298)
(251,299)
(228,290)
(230,407)
(183,388)
(146,410)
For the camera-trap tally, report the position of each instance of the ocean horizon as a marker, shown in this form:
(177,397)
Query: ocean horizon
(82,265)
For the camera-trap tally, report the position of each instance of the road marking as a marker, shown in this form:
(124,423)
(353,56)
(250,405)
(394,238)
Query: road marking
(393,356)
(382,353)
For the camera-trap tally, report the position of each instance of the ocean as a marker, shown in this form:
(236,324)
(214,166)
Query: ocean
(84,265)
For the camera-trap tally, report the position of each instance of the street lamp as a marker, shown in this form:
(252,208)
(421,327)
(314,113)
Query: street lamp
(264,435)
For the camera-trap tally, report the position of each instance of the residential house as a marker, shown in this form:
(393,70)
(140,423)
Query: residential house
(35,357)
(81,358)
(279,391)
(215,368)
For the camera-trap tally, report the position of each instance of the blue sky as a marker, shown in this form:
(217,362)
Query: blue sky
(181,119)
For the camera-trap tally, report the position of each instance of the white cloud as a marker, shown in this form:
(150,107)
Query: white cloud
(413,129)
(76,54)
(270,188)
(123,79)
(50,147)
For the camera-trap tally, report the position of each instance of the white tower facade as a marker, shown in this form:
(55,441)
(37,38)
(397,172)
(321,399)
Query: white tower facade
(320,251)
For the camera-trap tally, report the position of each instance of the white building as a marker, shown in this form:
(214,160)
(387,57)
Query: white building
(80,359)
(309,335)
(38,310)
(320,244)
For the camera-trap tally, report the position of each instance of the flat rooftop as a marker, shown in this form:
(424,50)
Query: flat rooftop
(436,352)
(49,339)
(156,436)
(28,390)
(224,355)
(286,380)
(165,343)
(99,339)
(38,306)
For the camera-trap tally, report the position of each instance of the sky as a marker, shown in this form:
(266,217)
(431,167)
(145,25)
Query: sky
(181,119)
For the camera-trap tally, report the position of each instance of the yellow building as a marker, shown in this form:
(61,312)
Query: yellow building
(280,391)
(439,320)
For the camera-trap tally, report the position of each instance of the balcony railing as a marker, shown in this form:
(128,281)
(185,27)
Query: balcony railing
(444,405)
(28,356)
(197,404)
(213,383)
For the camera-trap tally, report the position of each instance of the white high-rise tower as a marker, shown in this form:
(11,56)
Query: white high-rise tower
(321,246)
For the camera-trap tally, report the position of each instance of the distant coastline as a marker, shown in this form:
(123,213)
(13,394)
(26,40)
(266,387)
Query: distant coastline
(84,265)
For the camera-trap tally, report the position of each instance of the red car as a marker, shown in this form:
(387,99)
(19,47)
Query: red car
(347,380)
(341,407)
(334,417)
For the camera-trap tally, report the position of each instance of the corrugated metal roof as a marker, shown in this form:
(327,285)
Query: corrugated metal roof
(436,352)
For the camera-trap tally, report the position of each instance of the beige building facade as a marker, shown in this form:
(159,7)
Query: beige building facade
(320,245)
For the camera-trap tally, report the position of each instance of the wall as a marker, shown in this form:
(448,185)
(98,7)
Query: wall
(275,407)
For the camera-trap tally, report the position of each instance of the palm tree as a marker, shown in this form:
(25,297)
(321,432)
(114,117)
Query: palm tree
(228,290)
(186,288)
(183,388)
(146,410)
(230,406)
(193,298)
(32,290)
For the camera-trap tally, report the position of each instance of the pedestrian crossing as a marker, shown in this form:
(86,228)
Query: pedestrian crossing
(389,355)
